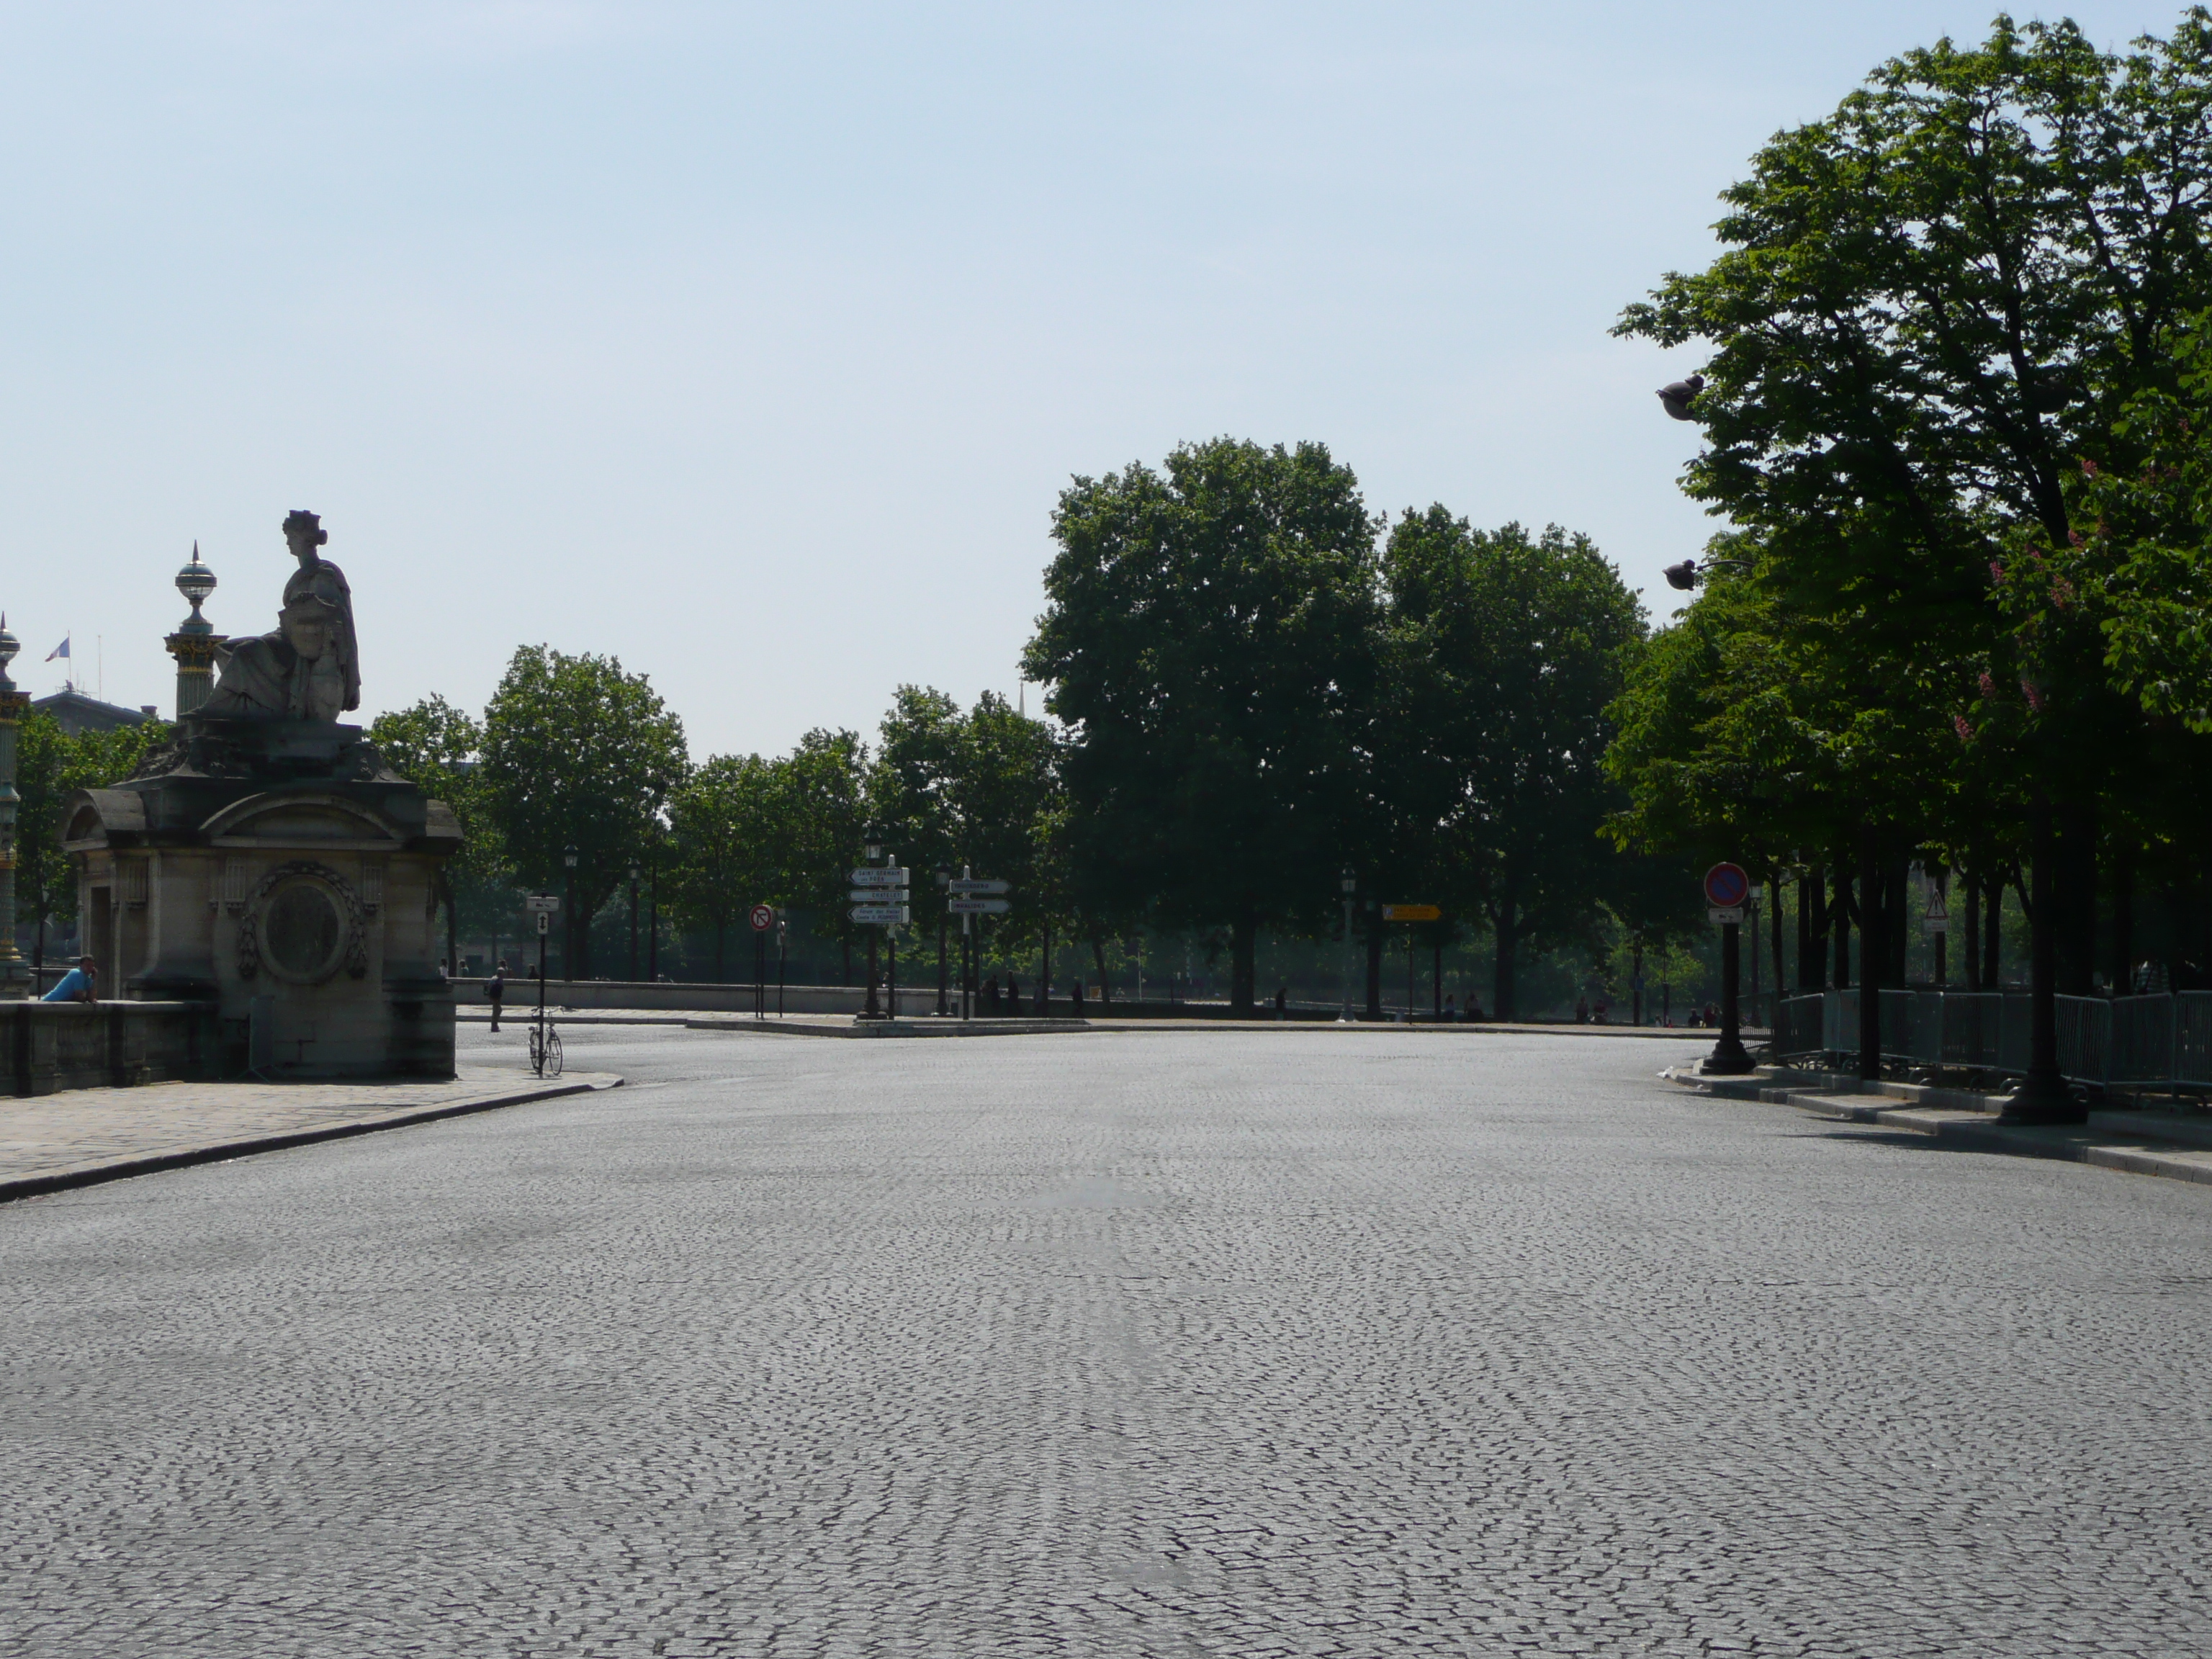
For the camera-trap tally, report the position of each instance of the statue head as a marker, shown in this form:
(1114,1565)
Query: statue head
(303,534)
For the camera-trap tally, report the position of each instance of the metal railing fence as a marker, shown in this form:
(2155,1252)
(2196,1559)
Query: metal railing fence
(2137,1041)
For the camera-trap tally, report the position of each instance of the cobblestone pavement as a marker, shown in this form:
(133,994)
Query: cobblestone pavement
(83,1131)
(1127,1345)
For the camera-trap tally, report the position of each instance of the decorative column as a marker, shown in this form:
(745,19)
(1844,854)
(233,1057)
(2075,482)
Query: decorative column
(15,972)
(194,642)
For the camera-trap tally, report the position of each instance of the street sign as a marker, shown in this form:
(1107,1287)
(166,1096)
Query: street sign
(763,918)
(880,915)
(1411,912)
(1725,913)
(1727,887)
(544,923)
(1937,918)
(877,895)
(977,884)
(978,907)
(891,875)
(542,904)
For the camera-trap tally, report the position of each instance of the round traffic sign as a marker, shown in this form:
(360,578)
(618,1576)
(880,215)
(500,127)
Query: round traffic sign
(763,918)
(1727,886)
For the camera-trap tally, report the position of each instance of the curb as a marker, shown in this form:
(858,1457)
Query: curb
(1971,1129)
(889,1028)
(65,1180)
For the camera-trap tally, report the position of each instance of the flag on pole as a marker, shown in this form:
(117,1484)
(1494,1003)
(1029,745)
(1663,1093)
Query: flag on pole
(61,650)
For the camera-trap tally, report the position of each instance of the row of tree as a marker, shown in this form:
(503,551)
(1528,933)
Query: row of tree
(1257,690)
(1957,405)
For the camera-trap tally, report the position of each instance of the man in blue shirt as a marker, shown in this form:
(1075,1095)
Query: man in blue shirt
(75,985)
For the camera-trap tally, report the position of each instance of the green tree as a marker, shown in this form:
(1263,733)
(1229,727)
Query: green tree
(1506,651)
(578,753)
(1210,642)
(50,764)
(728,825)
(438,748)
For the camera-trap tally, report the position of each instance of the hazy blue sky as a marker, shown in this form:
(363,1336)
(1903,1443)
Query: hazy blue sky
(753,343)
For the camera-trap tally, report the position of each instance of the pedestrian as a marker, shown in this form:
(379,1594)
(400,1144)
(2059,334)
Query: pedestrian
(1075,995)
(1581,1010)
(1451,1007)
(495,990)
(1282,1002)
(76,985)
(1013,997)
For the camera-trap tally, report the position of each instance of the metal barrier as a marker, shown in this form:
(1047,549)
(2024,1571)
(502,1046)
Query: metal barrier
(2125,1039)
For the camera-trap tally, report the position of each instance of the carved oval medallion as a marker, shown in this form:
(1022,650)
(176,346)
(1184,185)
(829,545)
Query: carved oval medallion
(302,930)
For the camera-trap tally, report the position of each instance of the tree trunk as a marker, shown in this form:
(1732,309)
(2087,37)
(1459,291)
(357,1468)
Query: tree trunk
(1839,926)
(1993,934)
(2076,901)
(1873,958)
(1374,963)
(1242,940)
(720,928)
(1812,929)
(1507,929)
(1105,986)
(1774,939)
(2123,918)
(1044,973)
(1970,927)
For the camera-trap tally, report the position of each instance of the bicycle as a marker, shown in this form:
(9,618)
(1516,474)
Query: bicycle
(545,1050)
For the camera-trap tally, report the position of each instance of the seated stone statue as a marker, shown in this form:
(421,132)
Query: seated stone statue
(307,669)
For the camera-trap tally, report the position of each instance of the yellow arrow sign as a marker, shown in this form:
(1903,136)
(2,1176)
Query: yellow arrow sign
(1412,913)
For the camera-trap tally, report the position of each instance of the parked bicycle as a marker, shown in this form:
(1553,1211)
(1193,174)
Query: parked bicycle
(545,1050)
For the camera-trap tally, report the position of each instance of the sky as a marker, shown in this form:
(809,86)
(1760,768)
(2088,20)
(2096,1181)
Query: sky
(753,345)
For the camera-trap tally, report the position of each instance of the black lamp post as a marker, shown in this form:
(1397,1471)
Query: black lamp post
(1348,883)
(944,880)
(568,955)
(872,839)
(633,924)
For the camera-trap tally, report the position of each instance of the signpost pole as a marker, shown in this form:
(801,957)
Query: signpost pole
(1728,890)
(782,945)
(873,1011)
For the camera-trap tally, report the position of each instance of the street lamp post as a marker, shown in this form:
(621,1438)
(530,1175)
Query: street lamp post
(1349,884)
(944,879)
(873,843)
(569,953)
(633,924)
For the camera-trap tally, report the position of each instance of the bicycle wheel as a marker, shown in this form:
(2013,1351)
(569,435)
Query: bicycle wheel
(552,1054)
(537,1052)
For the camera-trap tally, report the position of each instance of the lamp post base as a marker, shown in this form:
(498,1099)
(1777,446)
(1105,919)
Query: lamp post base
(2043,1101)
(1729,1058)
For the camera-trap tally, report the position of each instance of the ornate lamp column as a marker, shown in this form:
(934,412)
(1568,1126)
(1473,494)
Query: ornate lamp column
(15,972)
(194,642)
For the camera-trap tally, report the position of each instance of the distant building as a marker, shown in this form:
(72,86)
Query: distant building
(76,713)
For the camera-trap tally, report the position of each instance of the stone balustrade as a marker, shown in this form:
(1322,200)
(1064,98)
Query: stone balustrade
(50,1046)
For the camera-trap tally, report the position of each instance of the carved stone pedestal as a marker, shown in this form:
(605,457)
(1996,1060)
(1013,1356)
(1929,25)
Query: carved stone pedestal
(279,869)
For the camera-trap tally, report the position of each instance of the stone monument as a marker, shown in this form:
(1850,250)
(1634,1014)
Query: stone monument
(268,859)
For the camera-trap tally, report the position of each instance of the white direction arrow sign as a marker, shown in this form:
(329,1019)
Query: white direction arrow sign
(977,884)
(880,915)
(877,895)
(975,907)
(868,876)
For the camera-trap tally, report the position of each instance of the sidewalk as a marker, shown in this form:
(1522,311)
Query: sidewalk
(846,1025)
(81,1136)
(2171,1144)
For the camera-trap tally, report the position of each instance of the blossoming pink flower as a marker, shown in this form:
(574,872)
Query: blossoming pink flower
(2088,467)
(2073,537)
(1959,725)
(2062,592)
(1996,571)
(2035,697)
(1989,683)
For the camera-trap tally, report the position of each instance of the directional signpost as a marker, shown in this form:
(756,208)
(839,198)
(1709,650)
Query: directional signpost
(1728,889)
(1412,913)
(544,907)
(763,917)
(878,898)
(977,907)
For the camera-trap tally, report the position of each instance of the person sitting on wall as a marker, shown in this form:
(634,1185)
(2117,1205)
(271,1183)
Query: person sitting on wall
(76,985)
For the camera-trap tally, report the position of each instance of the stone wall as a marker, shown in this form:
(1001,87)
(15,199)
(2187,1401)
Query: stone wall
(47,1045)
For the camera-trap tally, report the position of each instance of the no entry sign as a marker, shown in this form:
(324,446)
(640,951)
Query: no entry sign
(763,918)
(1727,886)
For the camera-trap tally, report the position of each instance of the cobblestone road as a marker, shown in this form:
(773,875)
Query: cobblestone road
(1130,1345)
